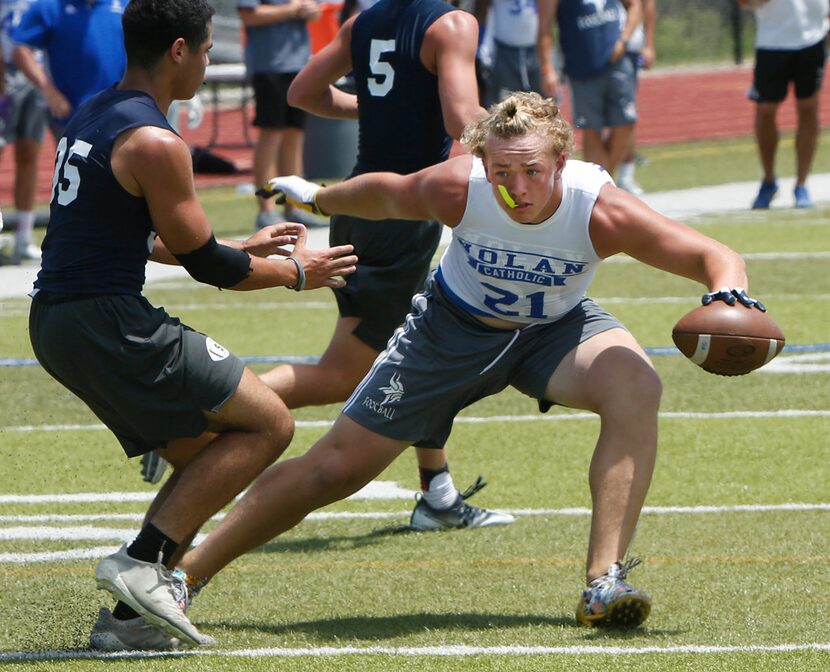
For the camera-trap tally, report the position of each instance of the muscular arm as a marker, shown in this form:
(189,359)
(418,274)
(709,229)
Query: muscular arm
(155,164)
(621,222)
(449,51)
(312,88)
(438,192)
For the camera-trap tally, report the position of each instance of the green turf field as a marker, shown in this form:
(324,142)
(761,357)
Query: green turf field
(735,538)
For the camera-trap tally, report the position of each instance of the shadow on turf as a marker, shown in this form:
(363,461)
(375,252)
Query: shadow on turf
(387,627)
(378,628)
(332,542)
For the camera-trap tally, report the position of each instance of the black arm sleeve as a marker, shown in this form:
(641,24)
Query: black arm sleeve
(215,264)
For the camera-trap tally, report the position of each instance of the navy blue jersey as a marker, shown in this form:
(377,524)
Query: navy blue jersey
(588,30)
(99,235)
(401,125)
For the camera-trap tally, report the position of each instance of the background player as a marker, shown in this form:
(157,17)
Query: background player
(414,66)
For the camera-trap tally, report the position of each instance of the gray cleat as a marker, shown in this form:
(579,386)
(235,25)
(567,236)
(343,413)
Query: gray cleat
(459,516)
(152,590)
(134,634)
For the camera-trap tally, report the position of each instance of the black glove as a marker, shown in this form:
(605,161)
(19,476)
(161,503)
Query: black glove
(730,296)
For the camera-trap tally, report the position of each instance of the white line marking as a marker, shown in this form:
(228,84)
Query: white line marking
(444,651)
(95,553)
(379,515)
(63,533)
(668,415)
(749,256)
(813,362)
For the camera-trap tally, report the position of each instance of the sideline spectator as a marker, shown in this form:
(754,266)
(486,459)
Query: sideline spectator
(640,49)
(84,45)
(514,62)
(602,81)
(277,47)
(790,46)
(25,117)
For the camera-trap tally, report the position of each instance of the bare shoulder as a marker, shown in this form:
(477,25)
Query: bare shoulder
(446,187)
(453,31)
(144,155)
(616,217)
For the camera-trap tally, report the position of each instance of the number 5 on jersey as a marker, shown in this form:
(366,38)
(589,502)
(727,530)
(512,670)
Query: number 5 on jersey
(67,179)
(382,83)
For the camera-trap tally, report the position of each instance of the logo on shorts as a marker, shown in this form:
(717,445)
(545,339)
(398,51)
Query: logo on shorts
(217,352)
(394,392)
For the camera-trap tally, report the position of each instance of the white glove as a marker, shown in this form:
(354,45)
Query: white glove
(295,190)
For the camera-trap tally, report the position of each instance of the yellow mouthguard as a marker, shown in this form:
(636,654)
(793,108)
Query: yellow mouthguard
(503,191)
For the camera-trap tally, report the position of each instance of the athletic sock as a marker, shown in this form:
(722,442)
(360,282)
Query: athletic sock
(124,612)
(149,542)
(625,172)
(438,489)
(25,225)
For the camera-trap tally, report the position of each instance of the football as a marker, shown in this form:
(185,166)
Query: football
(728,340)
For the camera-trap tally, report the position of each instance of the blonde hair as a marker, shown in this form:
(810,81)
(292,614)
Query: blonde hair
(519,114)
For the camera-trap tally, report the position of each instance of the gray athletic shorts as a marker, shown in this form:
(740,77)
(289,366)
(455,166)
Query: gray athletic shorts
(514,69)
(443,359)
(608,99)
(29,112)
(147,376)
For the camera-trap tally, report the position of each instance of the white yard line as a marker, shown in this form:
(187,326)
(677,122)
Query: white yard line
(95,533)
(446,651)
(668,415)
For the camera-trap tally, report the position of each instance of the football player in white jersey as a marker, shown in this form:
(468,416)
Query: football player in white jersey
(507,306)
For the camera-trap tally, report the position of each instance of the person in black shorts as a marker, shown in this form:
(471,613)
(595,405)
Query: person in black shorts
(790,47)
(123,192)
(414,66)
(277,46)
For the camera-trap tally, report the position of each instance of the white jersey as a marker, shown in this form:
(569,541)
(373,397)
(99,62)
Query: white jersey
(791,24)
(515,22)
(524,273)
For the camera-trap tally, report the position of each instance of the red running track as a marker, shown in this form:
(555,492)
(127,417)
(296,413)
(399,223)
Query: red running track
(675,106)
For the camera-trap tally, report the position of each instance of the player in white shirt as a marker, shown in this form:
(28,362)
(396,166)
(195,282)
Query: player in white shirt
(790,46)
(507,306)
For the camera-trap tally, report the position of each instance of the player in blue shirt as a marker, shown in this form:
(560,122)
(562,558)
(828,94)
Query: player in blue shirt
(83,41)
(414,70)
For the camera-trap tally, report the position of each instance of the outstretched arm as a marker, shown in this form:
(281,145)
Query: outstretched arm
(621,222)
(438,192)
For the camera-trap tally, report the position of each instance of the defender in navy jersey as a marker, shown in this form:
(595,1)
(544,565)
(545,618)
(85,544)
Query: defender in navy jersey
(123,192)
(508,307)
(414,67)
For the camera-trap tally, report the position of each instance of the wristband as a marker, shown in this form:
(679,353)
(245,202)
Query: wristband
(299,286)
(317,209)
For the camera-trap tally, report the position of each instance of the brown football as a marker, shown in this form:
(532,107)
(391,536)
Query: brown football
(728,340)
